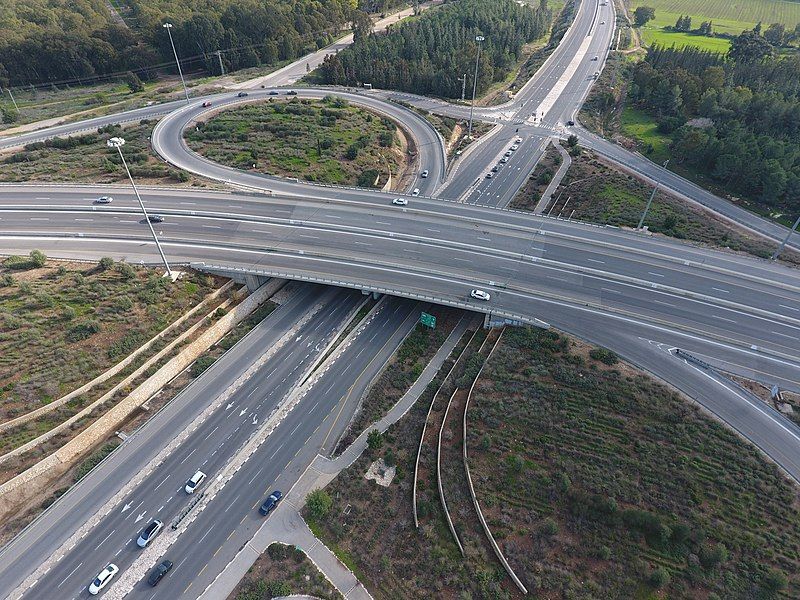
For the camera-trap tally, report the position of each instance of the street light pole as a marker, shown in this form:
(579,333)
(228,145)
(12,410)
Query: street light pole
(650,201)
(168,27)
(118,143)
(777,252)
(463,81)
(478,39)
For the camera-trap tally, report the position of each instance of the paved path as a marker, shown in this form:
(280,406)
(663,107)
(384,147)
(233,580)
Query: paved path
(287,526)
(566,161)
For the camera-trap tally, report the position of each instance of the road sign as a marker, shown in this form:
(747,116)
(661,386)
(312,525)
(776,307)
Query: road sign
(428,320)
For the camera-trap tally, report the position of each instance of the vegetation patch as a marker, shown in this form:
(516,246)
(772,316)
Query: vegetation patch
(326,141)
(86,158)
(595,191)
(283,571)
(600,482)
(62,324)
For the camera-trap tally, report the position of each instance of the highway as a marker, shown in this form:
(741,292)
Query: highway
(212,444)
(639,295)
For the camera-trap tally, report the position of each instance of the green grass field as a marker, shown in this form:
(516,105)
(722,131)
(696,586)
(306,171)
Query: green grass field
(643,128)
(726,17)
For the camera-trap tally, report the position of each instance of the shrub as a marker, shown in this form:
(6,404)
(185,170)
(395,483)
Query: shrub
(82,331)
(604,355)
(106,263)
(94,460)
(710,556)
(38,258)
(774,582)
(278,588)
(319,504)
(549,527)
(659,578)
(374,440)
(201,364)
(126,270)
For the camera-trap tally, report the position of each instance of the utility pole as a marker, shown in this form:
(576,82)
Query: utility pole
(478,39)
(777,252)
(650,201)
(463,81)
(221,67)
(168,27)
(12,99)
(118,143)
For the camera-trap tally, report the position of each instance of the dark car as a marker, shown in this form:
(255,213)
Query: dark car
(158,573)
(155,218)
(291,93)
(270,503)
(273,93)
(570,123)
(242,94)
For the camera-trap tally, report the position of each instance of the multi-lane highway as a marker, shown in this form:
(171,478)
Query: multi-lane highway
(639,295)
(300,330)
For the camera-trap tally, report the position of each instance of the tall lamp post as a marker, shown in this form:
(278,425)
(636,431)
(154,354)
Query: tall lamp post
(168,27)
(118,143)
(650,201)
(777,252)
(478,39)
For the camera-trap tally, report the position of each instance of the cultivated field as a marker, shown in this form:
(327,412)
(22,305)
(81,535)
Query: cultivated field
(726,16)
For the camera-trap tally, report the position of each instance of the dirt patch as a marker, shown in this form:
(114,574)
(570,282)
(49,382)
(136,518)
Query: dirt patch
(530,194)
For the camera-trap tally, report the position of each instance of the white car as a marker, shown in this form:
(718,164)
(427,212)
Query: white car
(508,153)
(602,22)
(424,174)
(104,200)
(102,579)
(415,192)
(400,201)
(149,532)
(480,295)
(504,159)
(194,482)
(514,148)
(519,140)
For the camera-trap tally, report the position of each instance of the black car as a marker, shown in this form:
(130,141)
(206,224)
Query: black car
(158,573)
(270,502)
(291,93)
(273,93)
(242,94)
(570,123)
(155,218)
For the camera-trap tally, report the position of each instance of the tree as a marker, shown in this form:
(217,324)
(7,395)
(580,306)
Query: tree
(133,82)
(684,23)
(319,504)
(374,440)
(572,141)
(38,258)
(362,25)
(643,14)
(710,556)
(749,47)
(775,34)
(705,28)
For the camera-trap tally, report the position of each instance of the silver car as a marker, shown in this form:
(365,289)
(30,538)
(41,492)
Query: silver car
(149,532)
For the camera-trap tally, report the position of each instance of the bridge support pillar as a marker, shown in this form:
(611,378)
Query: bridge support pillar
(254,282)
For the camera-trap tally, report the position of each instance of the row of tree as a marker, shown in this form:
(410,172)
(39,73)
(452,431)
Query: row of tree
(737,121)
(248,32)
(430,54)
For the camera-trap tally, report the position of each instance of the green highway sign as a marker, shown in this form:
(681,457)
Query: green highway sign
(428,320)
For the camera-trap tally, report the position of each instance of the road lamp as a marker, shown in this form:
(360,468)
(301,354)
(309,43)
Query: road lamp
(777,252)
(650,201)
(478,39)
(168,27)
(118,143)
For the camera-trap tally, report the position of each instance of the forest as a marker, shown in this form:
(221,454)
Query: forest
(429,54)
(45,41)
(734,118)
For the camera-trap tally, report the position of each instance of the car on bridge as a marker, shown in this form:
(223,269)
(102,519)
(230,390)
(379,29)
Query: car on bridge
(103,578)
(155,218)
(104,200)
(400,201)
(270,503)
(480,295)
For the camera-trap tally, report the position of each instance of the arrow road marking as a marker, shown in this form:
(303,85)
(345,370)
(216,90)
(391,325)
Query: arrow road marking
(140,517)
(126,507)
(230,404)
(241,412)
